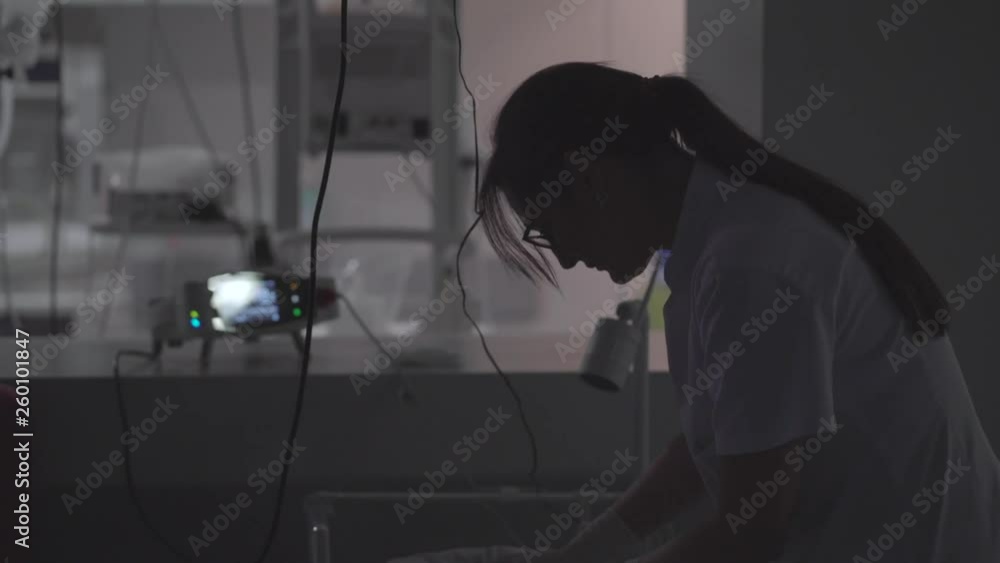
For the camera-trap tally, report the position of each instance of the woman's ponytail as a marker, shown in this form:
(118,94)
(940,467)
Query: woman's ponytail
(708,131)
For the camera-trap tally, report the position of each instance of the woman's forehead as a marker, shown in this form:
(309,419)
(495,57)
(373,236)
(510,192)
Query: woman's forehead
(533,211)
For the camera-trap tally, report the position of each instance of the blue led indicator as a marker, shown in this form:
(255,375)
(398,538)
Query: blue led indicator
(195,323)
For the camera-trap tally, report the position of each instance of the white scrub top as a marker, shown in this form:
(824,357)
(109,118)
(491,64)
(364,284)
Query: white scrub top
(778,330)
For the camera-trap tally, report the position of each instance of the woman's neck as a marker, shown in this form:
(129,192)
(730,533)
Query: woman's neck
(675,172)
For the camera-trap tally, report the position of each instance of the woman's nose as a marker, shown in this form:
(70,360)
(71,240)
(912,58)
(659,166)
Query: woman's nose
(566,260)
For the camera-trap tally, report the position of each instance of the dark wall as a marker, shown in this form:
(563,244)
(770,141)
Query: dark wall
(225,428)
(938,70)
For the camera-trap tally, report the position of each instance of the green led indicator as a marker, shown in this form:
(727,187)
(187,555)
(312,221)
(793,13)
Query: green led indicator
(297,312)
(194,314)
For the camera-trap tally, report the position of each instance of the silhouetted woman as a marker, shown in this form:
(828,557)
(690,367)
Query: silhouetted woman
(824,414)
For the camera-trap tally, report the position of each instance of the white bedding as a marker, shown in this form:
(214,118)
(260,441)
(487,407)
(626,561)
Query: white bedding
(495,554)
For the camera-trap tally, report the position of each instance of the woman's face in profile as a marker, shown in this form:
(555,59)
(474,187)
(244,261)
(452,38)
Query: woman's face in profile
(599,217)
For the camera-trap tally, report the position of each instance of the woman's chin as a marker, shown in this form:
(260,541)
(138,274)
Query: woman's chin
(621,277)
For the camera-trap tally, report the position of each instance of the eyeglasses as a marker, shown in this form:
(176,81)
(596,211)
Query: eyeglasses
(535,237)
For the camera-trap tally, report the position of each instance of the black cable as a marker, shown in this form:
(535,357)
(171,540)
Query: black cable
(247,102)
(371,336)
(133,492)
(475,125)
(533,474)
(57,186)
(313,249)
(310,318)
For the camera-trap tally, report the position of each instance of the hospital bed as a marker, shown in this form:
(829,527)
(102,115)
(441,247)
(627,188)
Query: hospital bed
(507,517)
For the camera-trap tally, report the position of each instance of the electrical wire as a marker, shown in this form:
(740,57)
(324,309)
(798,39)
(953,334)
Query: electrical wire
(310,316)
(371,336)
(133,492)
(508,527)
(313,250)
(405,383)
(133,177)
(533,473)
(475,122)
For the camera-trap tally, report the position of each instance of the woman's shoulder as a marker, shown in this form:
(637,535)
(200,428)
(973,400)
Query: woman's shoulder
(778,234)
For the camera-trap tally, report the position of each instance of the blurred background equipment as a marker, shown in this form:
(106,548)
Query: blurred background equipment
(152,106)
(174,186)
(239,308)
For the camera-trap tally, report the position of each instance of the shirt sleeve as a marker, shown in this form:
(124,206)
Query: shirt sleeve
(774,344)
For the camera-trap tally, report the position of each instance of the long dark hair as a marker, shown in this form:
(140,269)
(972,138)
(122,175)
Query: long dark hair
(560,108)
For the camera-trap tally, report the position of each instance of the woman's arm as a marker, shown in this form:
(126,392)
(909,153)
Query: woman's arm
(733,534)
(670,484)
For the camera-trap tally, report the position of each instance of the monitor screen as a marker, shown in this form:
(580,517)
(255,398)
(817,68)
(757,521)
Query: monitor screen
(244,299)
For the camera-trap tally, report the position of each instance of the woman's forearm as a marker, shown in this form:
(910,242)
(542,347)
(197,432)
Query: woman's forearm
(671,484)
(712,542)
